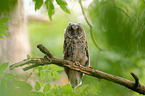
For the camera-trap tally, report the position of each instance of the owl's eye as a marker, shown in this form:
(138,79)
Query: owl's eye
(79,31)
(71,31)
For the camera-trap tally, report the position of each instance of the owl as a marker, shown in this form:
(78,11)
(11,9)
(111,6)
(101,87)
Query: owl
(75,49)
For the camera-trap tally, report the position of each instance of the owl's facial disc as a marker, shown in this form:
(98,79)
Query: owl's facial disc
(74,31)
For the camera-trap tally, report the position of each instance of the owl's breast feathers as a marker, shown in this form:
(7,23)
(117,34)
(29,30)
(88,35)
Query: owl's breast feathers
(76,50)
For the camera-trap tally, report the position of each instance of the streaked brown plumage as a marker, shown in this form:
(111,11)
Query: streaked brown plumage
(75,49)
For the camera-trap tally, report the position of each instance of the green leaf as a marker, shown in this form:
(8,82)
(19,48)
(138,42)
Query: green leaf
(50,8)
(56,75)
(37,86)
(47,88)
(28,56)
(3,26)
(65,8)
(42,75)
(23,85)
(11,76)
(67,87)
(63,5)
(36,70)
(46,75)
(37,94)
(45,67)
(4,20)
(38,4)
(3,31)
(55,68)
(55,91)
(34,56)
(83,88)
(50,75)
(3,83)
(1,36)
(61,2)
(55,86)
(67,90)
(42,84)
(3,67)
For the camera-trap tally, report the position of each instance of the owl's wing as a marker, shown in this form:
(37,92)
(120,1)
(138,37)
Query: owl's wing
(64,45)
(87,64)
(65,55)
(65,50)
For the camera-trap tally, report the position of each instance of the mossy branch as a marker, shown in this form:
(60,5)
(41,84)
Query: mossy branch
(50,59)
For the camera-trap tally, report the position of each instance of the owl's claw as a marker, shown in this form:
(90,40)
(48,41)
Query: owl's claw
(77,63)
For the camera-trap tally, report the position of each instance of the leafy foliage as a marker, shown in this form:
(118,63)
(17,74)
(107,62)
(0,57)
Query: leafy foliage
(3,67)
(50,6)
(37,86)
(11,76)
(46,72)
(116,28)
(63,5)
(46,88)
(3,27)
(38,4)
(9,86)
(117,21)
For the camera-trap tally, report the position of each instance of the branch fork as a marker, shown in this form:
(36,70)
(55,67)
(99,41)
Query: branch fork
(136,80)
(50,59)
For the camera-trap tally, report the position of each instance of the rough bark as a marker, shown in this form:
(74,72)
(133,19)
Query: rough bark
(50,59)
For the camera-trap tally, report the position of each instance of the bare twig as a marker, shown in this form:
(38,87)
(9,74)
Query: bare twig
(136,79)
(135,86)
(44,50)
(89,25)
(29,75)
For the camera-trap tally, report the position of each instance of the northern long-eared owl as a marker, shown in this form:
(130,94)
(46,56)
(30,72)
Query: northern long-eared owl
(75,49)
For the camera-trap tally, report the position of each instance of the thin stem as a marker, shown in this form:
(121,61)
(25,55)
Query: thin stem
(29,75)
(89,26)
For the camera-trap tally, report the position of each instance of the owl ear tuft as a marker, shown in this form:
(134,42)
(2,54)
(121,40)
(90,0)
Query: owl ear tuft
(79,23)
(69,24)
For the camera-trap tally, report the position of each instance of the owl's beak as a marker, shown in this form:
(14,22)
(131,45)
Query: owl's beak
(75,34)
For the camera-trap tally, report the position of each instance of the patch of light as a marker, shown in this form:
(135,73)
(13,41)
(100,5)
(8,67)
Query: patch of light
(86,3)
(29,8)
(74,6)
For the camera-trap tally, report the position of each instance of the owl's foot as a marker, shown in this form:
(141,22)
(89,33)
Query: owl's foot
(91,67)
(77,63)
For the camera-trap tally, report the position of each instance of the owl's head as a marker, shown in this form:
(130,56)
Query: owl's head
(74,30)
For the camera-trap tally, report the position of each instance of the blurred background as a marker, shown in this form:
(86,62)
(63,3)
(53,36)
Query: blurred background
(118,29)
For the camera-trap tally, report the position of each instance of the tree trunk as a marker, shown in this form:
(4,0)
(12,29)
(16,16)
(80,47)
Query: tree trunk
(15,46)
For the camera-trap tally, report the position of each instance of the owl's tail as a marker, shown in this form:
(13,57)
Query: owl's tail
(75,78)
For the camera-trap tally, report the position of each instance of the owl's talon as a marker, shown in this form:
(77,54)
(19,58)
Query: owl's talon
(77,63)
(91,67)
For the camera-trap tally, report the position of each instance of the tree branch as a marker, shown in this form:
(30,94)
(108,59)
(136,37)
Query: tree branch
(50,59)
(136,79)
